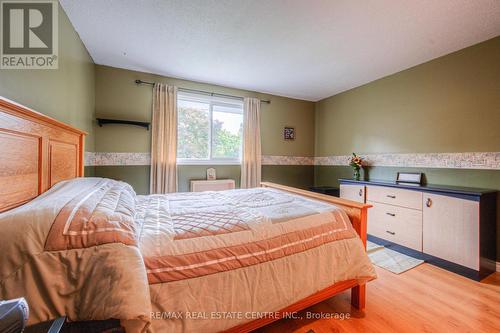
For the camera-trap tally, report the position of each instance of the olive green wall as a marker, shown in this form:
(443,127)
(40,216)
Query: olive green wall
(301,176)
(450,104)
(117,96)
(66,93)
(135,175)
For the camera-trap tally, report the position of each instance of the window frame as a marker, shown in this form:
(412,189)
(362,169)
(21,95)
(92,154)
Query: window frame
(211,101)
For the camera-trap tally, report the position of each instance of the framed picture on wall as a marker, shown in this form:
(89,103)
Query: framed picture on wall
(289,133)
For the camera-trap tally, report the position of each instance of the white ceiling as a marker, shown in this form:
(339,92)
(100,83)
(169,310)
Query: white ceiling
(307,49)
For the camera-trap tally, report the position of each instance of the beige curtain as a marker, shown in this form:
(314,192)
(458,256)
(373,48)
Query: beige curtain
(251,161)
(164,140)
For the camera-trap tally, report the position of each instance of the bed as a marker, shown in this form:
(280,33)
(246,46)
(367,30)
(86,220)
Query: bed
(91,249)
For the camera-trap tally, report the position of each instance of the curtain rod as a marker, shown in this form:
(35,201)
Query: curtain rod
(201,92)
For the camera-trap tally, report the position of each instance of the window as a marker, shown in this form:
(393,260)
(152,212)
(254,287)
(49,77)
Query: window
(209,129)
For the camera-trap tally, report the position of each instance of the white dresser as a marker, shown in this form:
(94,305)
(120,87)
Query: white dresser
(452,227)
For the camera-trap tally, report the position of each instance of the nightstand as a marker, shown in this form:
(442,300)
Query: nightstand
(329,190)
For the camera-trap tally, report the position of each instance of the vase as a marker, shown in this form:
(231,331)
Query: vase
(357,174)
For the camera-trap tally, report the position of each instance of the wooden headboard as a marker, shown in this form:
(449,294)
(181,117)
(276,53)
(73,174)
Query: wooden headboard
(36,152)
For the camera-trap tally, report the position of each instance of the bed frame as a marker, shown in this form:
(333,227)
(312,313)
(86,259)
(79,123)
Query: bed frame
(37,152)
(358,214)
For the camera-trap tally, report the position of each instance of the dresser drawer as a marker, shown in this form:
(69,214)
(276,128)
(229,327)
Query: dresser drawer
(353,192)
(394,196)
(396,224)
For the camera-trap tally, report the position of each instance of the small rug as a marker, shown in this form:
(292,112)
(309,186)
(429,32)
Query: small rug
(371,247)
(390,260)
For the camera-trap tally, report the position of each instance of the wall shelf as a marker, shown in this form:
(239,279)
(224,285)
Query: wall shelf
(104,121)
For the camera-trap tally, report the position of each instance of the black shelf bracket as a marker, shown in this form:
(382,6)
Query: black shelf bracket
(103,121)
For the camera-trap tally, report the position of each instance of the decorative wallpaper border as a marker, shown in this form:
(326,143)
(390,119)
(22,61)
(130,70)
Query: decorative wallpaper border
(474,160)
(286,160)
(116,159)
(124,159)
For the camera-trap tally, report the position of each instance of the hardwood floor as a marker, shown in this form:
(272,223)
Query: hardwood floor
(424,299)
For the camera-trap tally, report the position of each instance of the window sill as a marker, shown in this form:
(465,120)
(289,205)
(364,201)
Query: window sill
(208,162)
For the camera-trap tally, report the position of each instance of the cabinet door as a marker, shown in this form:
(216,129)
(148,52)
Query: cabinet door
(352,192)
(451,229)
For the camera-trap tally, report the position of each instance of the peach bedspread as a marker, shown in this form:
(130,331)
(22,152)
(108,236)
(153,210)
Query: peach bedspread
(219,259)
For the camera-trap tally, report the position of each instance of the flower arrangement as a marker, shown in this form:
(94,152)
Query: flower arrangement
(356,163)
